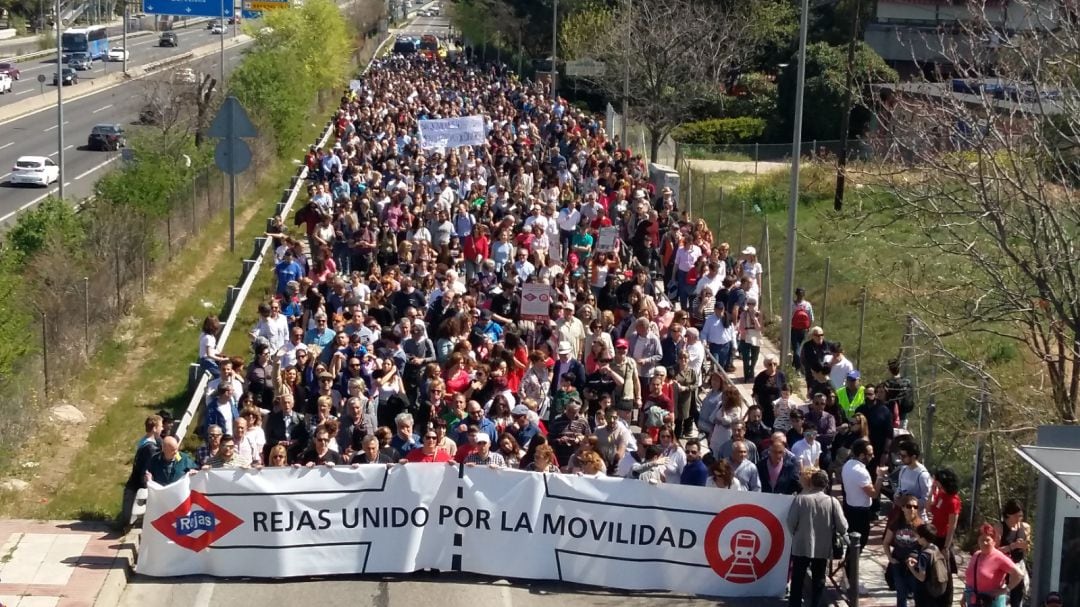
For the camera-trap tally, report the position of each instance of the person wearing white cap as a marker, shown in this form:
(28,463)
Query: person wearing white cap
(483,455)
(751,268)
(565,365)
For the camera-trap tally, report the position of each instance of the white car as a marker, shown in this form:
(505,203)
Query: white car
(119,54)
(218,29)
(5,83)
(34,170)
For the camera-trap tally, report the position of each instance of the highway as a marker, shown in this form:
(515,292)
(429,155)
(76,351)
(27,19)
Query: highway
(35,134)
(144,49)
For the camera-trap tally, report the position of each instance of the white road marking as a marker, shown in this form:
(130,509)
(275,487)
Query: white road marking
(28,205)
(69,147)
(24,91)
(54,127)
(92,169)
(7,145)
(5,176)
(101,109)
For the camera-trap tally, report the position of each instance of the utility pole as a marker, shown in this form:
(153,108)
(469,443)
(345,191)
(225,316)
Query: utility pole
(554,49)
(626,77)
(126,18)
(793,199)
(59,101)
(845,118)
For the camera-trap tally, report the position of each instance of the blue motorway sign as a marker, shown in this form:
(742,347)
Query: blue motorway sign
(189,8)
(246,14)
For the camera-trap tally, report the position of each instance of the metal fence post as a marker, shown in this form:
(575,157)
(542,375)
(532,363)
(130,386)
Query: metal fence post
(168,232)
(86,314)
(757,155)
(720,211)
(862,328)
(742,226)
(45,351)
(119,300)
(690,193)
(768,272)
(825,296)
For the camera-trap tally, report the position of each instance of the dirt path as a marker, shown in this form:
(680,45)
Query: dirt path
(52,446)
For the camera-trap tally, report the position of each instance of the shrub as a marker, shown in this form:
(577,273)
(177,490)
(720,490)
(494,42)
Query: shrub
(721,131)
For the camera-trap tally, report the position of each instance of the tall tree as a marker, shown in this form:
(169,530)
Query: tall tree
(990,180)
(678,54)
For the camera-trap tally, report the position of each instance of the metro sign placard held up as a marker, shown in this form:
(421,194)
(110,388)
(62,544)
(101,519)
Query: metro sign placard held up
(265,5)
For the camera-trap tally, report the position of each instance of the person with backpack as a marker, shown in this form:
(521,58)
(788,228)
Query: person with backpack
(802,318)
(929,567)
(899,395)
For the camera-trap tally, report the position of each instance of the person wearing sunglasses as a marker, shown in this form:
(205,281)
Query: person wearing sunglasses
(319,453)
(901,541)
(429,451)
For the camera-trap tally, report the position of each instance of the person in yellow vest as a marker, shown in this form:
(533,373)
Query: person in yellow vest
(851,396)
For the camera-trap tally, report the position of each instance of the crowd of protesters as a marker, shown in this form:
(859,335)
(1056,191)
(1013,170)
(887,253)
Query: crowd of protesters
(395,337)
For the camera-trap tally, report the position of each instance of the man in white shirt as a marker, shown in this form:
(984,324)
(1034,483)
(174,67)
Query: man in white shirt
(694,349)
(914,479)
(808,450)
(714,279)
(839,366)
(859,490)
(568,220)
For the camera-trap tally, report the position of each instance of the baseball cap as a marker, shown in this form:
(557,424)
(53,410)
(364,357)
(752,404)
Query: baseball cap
(622,343)
(326,375)
(564,347)
(482,437)
(853,376)
(519,410)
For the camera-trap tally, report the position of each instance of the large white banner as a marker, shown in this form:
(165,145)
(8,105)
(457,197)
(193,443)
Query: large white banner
(602,531)
(448,133)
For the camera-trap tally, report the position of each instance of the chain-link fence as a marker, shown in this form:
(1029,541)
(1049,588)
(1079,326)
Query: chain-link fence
(963,420)
(76,304)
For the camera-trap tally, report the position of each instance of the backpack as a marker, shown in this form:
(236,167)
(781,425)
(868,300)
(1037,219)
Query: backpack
(800,320)
(937,573)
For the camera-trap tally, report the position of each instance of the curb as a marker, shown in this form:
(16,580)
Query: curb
(121,570)
(43,102)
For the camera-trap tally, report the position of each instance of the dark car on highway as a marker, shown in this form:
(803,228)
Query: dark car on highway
(10,69)
(69,75)
(406,45)
(106,137)
(168,39)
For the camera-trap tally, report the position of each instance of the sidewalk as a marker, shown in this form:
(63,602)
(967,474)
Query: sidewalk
(61,564)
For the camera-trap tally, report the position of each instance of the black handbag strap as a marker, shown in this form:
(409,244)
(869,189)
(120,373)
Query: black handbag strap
(975,576)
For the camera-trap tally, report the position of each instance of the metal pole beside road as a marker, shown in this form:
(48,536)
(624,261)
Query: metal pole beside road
(825,296)
(626,78)
(59,101)
(126,18)
(862,329)
(788,294)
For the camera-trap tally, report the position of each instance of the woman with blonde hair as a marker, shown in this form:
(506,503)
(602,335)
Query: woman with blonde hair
(278,458)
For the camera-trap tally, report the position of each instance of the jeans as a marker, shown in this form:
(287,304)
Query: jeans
(565,239)
(799,565)
(722,352)
(684,289)
(209,365)
(749,356)
(798,336)
(127,506)
(905,583)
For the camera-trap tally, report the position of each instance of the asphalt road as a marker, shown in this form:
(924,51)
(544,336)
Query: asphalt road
(442,590)
(35,134)
(143,49)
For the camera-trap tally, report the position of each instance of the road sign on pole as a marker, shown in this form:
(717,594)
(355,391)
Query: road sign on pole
(232,154)
(187,8)
(265,5)
(585,68)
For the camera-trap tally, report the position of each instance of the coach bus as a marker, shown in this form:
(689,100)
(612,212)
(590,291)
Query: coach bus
(91,40)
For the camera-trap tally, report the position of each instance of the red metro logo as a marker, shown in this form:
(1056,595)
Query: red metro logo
(744,543)
(196,523)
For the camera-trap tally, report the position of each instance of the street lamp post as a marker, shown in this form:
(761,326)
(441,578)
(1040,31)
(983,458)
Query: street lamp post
(793,198)
(626,78)
(59,101)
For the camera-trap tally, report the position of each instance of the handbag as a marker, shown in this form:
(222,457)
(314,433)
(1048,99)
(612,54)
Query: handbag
(979,599)
(839,540)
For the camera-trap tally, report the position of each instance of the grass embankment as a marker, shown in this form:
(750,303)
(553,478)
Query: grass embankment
(894,266)
(142,368)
